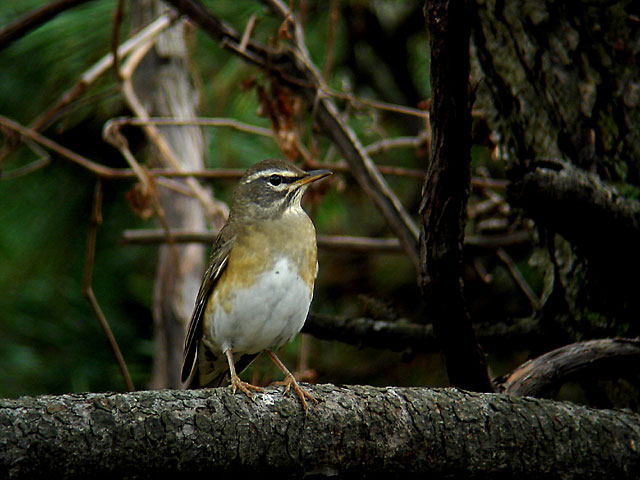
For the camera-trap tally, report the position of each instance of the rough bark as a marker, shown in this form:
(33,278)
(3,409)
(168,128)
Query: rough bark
(353,431)
(592,215)
(403,335)
(445,194)
(559,80)
(164,85)
(602,226)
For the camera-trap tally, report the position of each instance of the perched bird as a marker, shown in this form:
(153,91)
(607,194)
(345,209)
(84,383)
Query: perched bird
(256,292)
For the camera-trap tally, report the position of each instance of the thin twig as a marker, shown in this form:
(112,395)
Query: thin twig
(218,173)
(174,186)
(116,123)
(87,289)
(148,187)
(26,169)
(397,142)
(109,173)
(118,15)
(43,161)
(96,168)
(334,10)
(117,140)
(519,279)
(389,107)
(247,32)
(482,273)
(212,207)
(493,183)
(359,244)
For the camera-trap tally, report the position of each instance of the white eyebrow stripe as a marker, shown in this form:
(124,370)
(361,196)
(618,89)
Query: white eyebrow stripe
(268,173)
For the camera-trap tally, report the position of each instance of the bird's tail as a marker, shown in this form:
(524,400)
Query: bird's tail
(212,369)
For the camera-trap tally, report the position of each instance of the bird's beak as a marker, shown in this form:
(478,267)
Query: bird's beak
(312,176)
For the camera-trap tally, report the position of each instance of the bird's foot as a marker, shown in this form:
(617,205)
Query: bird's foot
(237,384)
(291,382)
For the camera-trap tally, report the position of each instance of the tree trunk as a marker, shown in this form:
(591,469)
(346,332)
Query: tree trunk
(559,80)
(445,194)
(352,431)
(163,83)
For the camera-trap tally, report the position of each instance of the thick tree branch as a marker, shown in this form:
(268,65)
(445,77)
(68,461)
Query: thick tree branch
(445,194)
(346,242)
(404,335)
(602,226)
(353,431)
(580,207)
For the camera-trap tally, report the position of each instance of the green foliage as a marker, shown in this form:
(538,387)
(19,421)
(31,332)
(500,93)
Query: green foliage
(51,341)
(37,68)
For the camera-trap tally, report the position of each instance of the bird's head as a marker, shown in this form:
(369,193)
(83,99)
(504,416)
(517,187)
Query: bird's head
(271,189)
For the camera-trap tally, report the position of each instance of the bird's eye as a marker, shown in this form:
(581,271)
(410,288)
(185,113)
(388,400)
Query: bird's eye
(275,180)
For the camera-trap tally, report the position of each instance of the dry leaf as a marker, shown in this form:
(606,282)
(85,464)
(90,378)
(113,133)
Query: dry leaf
(140,201)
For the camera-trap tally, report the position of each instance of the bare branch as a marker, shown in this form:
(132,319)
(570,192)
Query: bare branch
(407,335)
(353,432)
(145,237)
(109,173)
(334,9)
(87,289)
(395,335)
(43,161)
(389,107)
(589,213)
(247,32)
(213,207)
(96,168)
(118,141)
(593,357)
(117,123)
(519,279)
(152,236)
(118,15)
(397,142)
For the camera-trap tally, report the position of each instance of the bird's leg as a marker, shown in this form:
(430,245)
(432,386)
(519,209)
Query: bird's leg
(236,383)
(290,381)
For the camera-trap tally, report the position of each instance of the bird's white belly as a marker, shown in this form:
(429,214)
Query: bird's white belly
(267,314)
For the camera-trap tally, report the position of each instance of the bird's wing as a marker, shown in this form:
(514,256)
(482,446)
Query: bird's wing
(217,263)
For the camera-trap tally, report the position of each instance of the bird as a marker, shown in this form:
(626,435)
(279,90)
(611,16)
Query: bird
(258,286)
